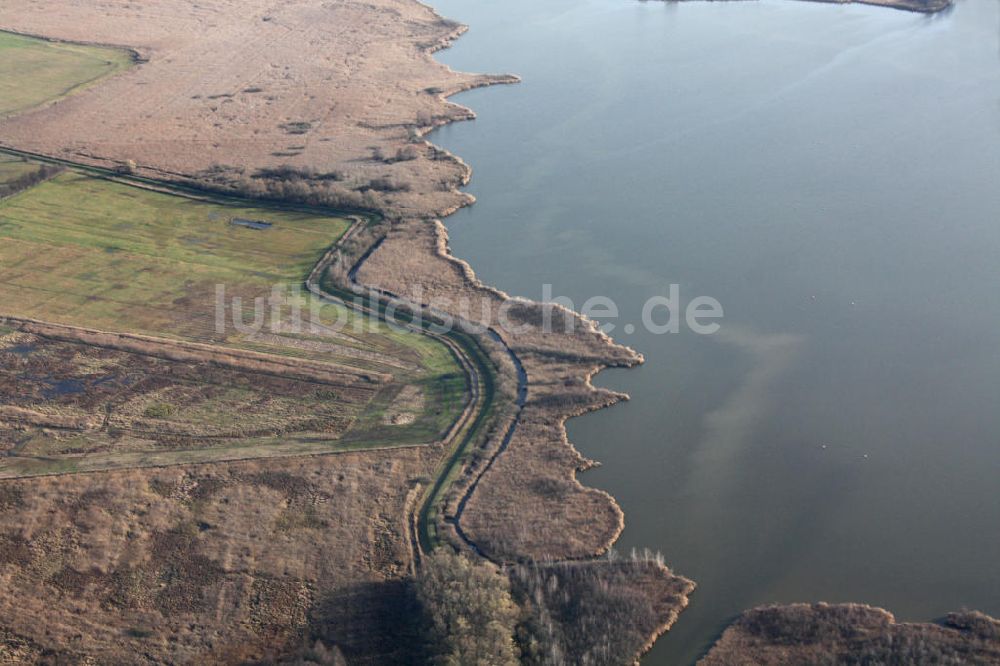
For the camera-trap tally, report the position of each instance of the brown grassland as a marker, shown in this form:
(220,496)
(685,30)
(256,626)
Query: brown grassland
(215,563)
(821,634)
(232,87)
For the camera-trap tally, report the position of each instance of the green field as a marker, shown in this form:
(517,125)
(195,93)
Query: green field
(34,71)
(88,252)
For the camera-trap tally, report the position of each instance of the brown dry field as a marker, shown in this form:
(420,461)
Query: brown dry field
(809,635)
(241,85)
(218,563)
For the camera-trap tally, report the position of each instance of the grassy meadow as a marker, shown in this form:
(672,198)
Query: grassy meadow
(89,252)
(94,253)
(34,71)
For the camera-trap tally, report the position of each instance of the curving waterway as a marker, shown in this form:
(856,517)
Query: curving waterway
(831,175)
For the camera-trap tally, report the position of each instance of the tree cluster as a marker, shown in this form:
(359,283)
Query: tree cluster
(470,614)
(28,180)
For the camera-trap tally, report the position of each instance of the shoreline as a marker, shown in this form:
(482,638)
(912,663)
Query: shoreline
(670,616)
(916,6)
(729,628)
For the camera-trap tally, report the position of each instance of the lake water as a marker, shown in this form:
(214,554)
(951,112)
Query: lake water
(830,174)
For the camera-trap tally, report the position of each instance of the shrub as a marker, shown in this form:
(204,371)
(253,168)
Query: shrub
(29,180)
(159,410)
(287,172)
(296,127)
(385,184)
(127,168)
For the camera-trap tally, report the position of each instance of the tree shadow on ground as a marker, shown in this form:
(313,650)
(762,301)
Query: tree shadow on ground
(372,623)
